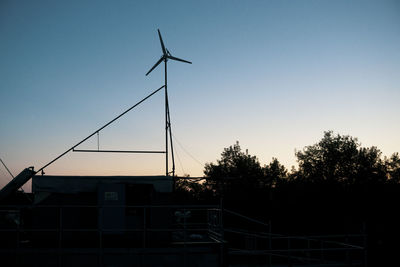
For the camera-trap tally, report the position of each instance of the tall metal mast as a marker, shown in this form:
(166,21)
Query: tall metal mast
(167,55)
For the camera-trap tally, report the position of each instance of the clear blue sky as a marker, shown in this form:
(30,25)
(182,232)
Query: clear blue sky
(272,74)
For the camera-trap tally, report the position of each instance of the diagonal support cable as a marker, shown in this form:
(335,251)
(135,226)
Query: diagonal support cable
(6,168)
(101,128)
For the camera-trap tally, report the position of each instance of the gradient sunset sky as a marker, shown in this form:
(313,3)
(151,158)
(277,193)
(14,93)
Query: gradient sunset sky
(273,75)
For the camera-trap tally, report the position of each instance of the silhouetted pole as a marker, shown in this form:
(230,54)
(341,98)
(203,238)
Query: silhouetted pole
(166,118)
(168,129)
(170,140)
(167,55)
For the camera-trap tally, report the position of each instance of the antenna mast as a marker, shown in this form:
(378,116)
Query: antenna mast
(168,132)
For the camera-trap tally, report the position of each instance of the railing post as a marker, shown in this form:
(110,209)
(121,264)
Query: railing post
(100,233)
(322,252)
(18,238)
(221,221)
(144,227)
(208,220)
(269,243)
(60,226)
(184,237)
(347,250)
(289,252)
(365,244)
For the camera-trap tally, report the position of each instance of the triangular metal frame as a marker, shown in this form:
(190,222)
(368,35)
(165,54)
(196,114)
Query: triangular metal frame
(168,132)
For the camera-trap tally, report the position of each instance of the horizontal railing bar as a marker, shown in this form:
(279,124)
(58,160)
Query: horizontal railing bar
(316,238)
(307,259)
(214,233)
(105,250)
(342,244)
(196,207)
(279,236)
(297,250)
(189,224)
(188,242)
(105,230)
(260,234)
(245,217)
(296,237)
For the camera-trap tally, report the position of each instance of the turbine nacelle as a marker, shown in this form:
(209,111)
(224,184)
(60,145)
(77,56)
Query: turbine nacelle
(166,55)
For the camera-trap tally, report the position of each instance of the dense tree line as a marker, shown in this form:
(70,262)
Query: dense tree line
(335,159)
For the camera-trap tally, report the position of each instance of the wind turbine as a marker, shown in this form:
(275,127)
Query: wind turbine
(165,56)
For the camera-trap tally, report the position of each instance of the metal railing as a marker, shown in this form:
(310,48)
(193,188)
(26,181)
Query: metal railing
(95,229)
(142,229)
(301,250)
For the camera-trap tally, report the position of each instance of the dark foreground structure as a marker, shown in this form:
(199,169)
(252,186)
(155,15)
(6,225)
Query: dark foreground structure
(134,221)
(108,221)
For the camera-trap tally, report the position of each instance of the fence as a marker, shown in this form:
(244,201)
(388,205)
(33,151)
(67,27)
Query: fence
(62,231)
(176,234)
(268,249)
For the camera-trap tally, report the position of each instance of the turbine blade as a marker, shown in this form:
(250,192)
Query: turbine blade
(155,65)
(178,59)
(162,43)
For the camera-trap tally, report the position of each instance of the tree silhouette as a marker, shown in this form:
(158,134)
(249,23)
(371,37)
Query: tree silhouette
(340,158)
(188,189)
(392,166)
(235,170)
(274,174)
